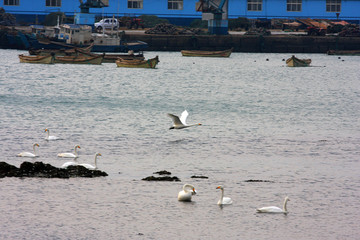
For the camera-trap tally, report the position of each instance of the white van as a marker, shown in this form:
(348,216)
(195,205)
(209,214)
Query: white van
(107,23)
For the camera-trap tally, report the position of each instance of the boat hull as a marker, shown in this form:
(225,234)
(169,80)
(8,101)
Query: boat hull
(79,60)
(198,53)
(150,63)
(48,59)
(296,62)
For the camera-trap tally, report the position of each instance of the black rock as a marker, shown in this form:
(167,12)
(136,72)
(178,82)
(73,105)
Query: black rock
(42,170)
(200,177)
(166,178)
(163,172)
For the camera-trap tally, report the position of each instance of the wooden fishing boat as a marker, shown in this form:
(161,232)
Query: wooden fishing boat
(111,58)
(296,62)
(344,52)
(199,53)
(79,59)
(150,63)
(48,59)
(60,52)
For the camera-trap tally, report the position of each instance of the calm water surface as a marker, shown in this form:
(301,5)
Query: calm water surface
(297,128)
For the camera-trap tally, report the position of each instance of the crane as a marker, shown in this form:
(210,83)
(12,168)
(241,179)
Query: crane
(218,9)
(85,17)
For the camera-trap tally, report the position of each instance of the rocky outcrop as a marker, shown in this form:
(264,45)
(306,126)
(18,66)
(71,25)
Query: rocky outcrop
(43,170)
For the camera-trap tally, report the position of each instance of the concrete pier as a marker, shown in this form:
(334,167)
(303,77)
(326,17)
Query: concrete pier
(248,43)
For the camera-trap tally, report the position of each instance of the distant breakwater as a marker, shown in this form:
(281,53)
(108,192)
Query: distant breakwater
(248,43)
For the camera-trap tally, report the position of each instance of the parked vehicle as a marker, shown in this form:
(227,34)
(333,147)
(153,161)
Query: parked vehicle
(107,23)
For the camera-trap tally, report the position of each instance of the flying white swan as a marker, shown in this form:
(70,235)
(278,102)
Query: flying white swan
(89,166)
(48,137)
(187,192)
(273,209)
(29,154)
(70,155)
(180,123)
(223,200)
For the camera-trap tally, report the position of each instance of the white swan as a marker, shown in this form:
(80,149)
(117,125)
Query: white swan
(89,166)
(29,154)
(223,200)
(180,123)
(48,137)
(71,163)
(187,192)
(273,209)
(70,155)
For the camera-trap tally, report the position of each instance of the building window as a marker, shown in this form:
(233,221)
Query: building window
(53,3)
(135,4)
(175,4)
(254,5)
(11,2)
(293,5)
(333,5)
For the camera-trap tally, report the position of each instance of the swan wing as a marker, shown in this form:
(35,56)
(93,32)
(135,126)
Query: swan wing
(50,138)
(26,154)
(88,166)
(183,117)
(67,155)
(271,209)
(184,196)
(175,119)
(67,164)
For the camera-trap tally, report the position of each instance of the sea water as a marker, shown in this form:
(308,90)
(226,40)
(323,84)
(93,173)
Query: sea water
(290,131)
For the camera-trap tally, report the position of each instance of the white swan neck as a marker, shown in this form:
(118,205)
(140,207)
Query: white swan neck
(34,149)
(95,165)
(285,203)
(222,195)
(75,150)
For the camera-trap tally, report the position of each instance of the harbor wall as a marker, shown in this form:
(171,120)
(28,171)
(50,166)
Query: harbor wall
(248,43)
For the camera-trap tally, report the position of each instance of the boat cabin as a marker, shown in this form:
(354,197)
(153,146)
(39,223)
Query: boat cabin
(75,34)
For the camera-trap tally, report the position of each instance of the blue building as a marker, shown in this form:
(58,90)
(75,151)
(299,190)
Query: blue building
(182,12)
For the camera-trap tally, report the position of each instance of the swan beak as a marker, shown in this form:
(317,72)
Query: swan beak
(200,124)
(46,129)
(194,191)
(218,187)
(37,145)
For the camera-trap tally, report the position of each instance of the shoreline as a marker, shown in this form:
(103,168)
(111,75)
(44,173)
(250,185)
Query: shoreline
(277,42)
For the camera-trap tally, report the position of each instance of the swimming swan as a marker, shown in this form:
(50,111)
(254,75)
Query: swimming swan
(29,154)
(223,200)
(89,166)
(180,123)
(70,155)
(187,192)
(48,137)
(273,209)
(71,163)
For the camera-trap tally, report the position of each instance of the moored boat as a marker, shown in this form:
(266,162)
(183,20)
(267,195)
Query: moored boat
(79,59)
(48,59)
(111,58)
(60,52)
(296,62)
(150,63)
(199,53)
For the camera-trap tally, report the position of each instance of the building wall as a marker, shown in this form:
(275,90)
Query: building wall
(350,9)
